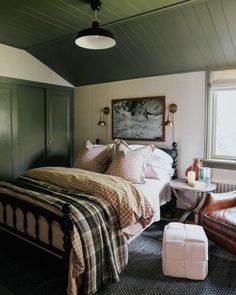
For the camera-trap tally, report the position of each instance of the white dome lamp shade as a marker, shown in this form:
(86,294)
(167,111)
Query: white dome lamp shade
(95,37)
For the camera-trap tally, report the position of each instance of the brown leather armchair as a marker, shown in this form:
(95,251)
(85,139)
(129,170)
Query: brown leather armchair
(218,218)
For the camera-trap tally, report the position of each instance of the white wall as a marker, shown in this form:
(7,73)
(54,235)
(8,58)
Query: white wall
(186,90)
(17,63)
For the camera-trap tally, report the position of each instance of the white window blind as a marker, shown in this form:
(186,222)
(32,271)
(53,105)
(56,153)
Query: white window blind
(221,127)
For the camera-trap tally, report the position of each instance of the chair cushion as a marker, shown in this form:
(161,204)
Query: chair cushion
(223,221)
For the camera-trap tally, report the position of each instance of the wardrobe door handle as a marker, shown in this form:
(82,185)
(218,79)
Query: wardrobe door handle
(49,141)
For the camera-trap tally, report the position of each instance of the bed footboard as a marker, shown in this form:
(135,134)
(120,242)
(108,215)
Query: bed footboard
(12,208)
(67,226)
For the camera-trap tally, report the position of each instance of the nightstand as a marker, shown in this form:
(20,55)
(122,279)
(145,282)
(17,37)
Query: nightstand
(179,187)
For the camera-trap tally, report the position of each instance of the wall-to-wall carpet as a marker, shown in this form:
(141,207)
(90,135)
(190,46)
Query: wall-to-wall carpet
(143,275)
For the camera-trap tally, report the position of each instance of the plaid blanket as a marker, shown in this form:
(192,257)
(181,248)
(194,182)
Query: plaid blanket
(99,250)
(130,204)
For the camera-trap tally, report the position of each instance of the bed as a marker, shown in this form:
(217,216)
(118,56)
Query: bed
(83,217)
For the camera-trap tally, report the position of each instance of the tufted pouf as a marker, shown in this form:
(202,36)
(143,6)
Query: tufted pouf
(185,251)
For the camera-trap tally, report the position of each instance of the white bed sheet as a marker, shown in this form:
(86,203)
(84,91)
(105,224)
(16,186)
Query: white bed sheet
(158,193)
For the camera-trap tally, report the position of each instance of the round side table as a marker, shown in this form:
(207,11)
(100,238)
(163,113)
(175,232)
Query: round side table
(179,185)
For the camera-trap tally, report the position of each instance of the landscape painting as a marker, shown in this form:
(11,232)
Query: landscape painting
(139,118)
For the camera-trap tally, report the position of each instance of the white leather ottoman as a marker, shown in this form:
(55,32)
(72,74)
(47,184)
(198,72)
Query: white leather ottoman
(185,251)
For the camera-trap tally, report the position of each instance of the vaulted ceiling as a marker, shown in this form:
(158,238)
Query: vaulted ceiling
(153,36)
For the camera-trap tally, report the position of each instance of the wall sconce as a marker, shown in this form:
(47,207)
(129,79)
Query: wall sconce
(104,111)
(172,108)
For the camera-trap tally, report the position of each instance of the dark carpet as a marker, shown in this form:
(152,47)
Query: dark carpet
(22,275)
(143,275)
(27,271)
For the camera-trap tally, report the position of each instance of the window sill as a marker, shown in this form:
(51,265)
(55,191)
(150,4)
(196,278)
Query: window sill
(230,165)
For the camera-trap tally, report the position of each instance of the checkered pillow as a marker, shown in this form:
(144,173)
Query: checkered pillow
(94,158)
(129,164)
(122,145)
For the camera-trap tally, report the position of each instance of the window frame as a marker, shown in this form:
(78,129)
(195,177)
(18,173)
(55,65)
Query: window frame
(211,159)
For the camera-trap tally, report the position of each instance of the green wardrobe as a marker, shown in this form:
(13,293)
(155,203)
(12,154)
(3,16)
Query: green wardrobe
(35,126)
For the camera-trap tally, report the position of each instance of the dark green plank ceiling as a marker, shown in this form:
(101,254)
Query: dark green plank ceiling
(153,37)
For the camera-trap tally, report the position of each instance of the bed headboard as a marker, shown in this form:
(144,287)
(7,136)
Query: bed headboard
(173,152)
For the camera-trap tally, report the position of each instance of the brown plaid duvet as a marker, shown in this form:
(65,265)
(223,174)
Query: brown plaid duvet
(99,249)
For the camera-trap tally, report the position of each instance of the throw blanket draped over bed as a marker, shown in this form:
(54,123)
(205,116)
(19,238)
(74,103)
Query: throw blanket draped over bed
(130,204)
(99,250)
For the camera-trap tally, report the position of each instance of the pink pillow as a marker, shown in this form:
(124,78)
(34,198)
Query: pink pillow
(94,158)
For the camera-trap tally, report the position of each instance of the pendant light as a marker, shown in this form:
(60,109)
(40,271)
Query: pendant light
(95,37)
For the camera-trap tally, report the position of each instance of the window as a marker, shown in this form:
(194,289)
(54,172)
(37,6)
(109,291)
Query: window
(221,118)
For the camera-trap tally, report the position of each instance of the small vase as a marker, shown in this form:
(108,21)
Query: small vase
(195,167)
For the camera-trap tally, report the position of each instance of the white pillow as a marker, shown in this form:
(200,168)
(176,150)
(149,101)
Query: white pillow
(154,171)
(136,146)
(158,165)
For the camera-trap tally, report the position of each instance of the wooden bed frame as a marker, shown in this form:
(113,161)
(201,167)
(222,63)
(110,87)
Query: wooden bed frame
(65,221)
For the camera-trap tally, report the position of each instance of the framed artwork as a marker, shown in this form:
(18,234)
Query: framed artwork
(139,118)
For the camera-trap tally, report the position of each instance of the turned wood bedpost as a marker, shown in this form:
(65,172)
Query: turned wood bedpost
(68,226)
(174,155)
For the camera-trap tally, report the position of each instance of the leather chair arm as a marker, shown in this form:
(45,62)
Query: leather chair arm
(217,201)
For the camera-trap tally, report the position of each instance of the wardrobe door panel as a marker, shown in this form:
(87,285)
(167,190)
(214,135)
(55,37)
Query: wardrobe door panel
(31,128)
(58,127)
(6,160)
